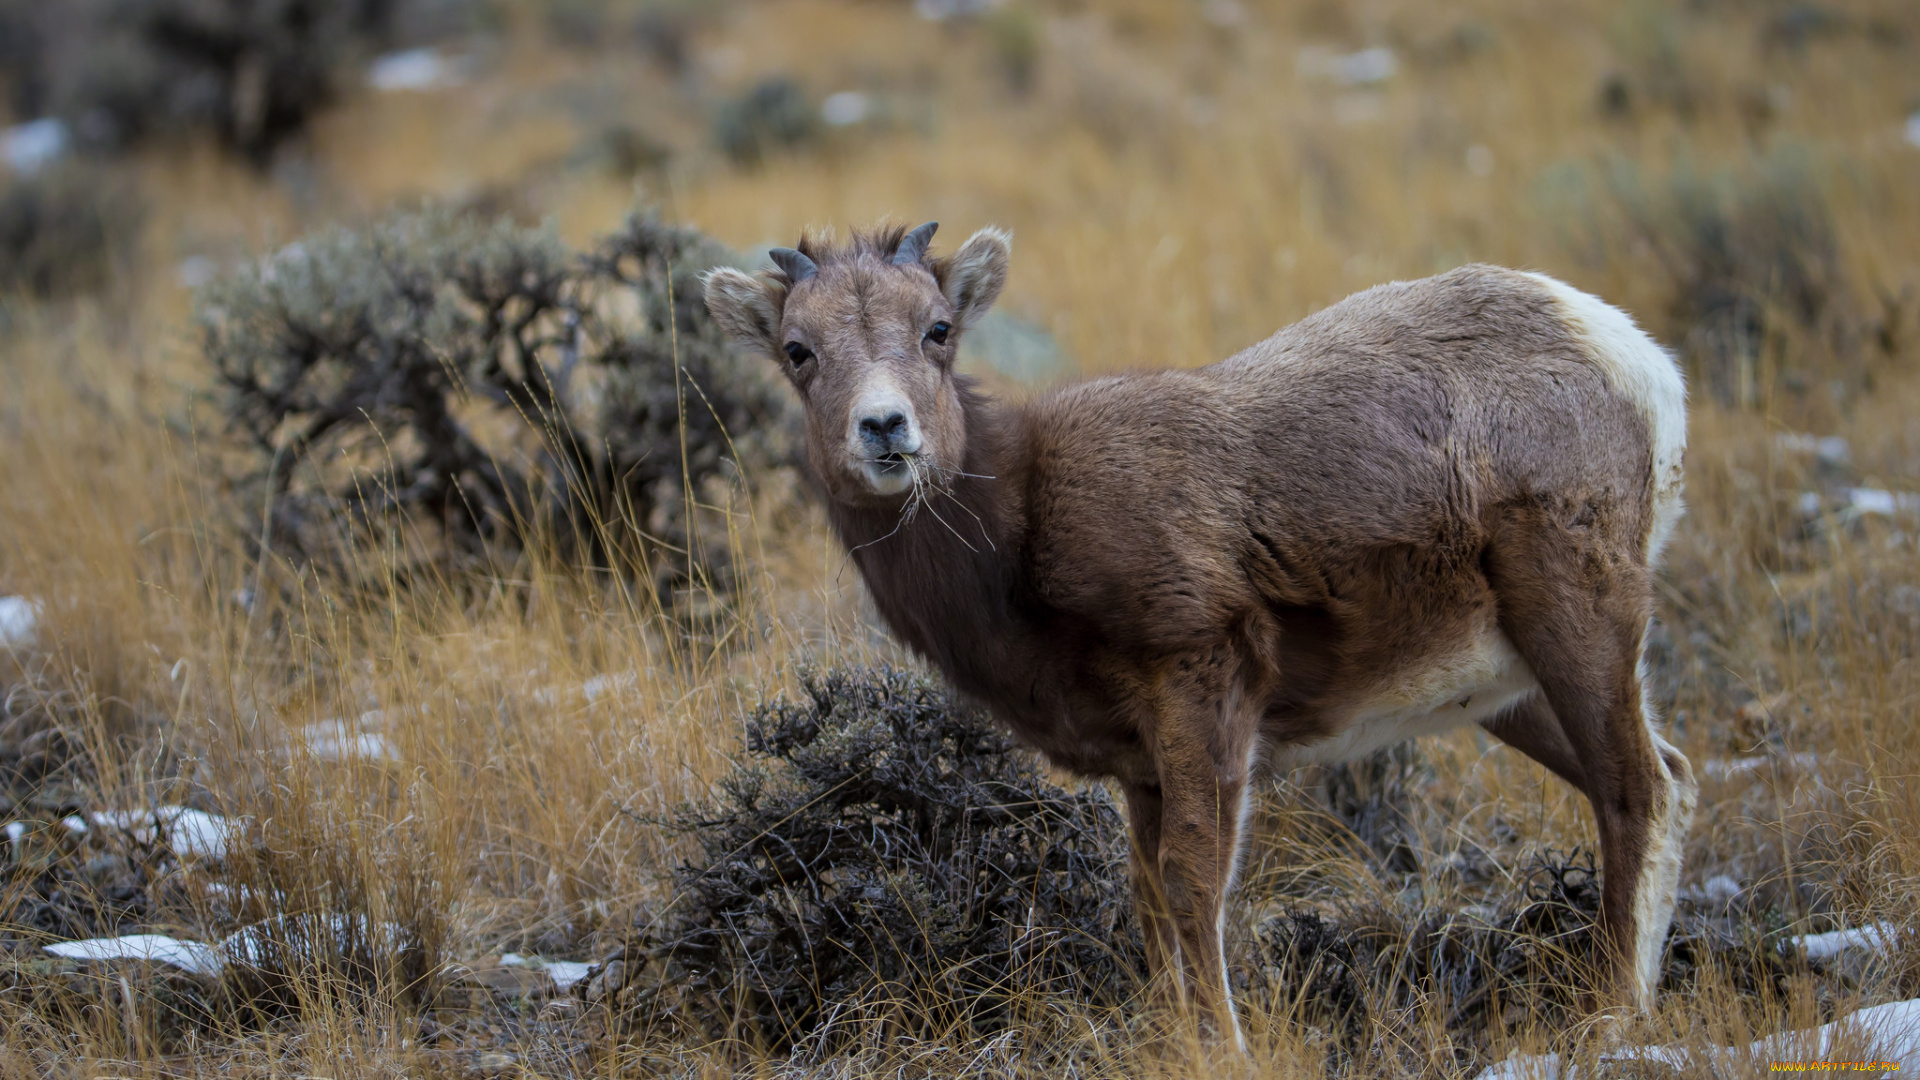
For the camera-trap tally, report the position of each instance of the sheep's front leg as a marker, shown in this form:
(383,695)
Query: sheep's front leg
(1204,792)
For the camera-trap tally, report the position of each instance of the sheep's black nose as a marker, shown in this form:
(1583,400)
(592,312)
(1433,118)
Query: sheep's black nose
(884,428)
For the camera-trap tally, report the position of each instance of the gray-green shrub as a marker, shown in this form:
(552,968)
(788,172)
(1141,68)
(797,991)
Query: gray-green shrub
(489,386)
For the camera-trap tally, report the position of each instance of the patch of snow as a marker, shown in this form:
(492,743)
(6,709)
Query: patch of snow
(413,69)
(1716,890)
(75,823)
(1733,768)
(15,830)
(1863,501)
(195,271)
(942,10)
(27,148)
(1878,938)
(564,973)
(195,957)
(255,945)
(337,740)
(1891,1031)
(1367,67)
(845,108)
(235,899)
(186,832)
(567,972)
(1830,449)
(18,616)
(601,685)
(261,944)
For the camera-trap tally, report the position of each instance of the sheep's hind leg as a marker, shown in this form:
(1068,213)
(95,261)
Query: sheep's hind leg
(1144,809)
(1577,610)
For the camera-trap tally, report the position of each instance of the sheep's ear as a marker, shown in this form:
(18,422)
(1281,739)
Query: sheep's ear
(746,307)
(977,273)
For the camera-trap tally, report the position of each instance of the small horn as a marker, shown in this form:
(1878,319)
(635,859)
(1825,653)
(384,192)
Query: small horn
(913,246)
(796,266)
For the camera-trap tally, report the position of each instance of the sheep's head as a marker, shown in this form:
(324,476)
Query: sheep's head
(867,333)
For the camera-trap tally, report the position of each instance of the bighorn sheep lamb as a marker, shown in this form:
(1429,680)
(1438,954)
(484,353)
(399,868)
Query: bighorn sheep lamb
(1434,503)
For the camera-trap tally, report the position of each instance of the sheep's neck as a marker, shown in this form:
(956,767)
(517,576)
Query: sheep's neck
(947,579)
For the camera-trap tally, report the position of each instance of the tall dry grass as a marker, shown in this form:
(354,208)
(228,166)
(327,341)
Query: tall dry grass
(1178,189)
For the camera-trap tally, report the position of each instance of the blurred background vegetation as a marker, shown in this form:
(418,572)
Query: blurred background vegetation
(371,478)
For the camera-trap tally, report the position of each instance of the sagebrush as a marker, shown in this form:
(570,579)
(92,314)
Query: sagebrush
(887,855)
(477,381)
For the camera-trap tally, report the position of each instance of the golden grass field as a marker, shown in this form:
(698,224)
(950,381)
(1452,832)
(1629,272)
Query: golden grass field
(1180,180)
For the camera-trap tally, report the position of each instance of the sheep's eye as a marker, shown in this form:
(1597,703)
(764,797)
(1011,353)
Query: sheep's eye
(798,353)
(938,333)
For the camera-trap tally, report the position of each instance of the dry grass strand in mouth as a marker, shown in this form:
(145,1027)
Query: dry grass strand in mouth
(930,480)
(927,481)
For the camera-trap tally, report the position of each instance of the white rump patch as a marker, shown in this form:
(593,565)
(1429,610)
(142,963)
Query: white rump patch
(1641,371)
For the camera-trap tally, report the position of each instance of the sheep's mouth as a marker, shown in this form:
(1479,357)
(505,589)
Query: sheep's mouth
(892,473)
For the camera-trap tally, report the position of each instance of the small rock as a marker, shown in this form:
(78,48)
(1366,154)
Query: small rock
(493,1062)
(605,985)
